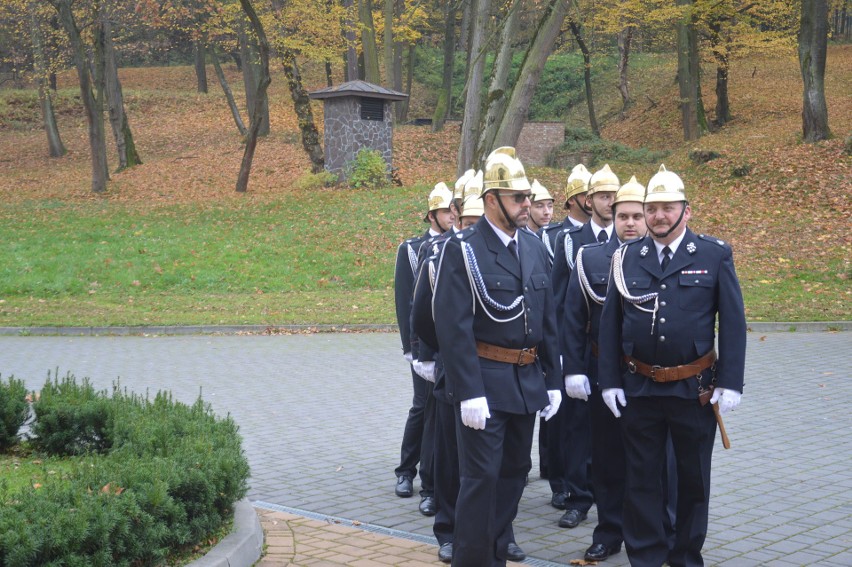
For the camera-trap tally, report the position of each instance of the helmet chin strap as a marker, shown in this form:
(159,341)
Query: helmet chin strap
(505,213)
(674,226)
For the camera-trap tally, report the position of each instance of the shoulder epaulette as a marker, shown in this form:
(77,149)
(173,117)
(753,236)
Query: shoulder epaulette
(711,239)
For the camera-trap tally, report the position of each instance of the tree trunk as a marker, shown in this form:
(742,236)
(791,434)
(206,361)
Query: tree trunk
(200,55)
(403,105)
(301,102)
(329,78)
(625,38)
(531,69)
(127,154)
(257,115)
(223,82)
(387,41)
(498,89)
(587,76)
(349,33)
(250,53)
(720,55)
(473,108)
(813,43)
(368,42)
(691,106)
(54,141)
(94,113)
(466,26)
(445,96)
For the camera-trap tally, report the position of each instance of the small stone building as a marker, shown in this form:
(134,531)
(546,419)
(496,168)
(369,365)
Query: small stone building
(357,114)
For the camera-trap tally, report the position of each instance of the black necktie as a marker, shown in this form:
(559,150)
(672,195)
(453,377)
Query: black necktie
(664,263)
(602,236)
(513,248)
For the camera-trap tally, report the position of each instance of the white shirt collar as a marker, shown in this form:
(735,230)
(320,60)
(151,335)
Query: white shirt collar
(433,232)
(672,246)
(504,238)
(596,228)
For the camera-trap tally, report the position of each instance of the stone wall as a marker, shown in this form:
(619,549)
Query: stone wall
(537,139)
(345,133)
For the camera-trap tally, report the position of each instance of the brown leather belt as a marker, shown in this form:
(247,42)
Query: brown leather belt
(594,349)
(671,373)
(521,357)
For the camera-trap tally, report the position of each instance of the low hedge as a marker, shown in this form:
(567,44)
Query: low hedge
(151,477)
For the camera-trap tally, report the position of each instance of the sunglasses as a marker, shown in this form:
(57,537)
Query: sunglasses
(519,198)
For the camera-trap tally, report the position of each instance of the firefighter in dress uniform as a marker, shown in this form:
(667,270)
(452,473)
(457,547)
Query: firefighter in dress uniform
(496,329)
(417,436)
(660,372)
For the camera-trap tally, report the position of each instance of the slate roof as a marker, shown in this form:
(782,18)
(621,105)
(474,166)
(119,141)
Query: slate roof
(357,88)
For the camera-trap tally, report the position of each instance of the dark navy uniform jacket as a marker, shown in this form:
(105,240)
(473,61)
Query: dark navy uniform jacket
(403,285)
(422,321)
(548,235)
(581,321)
(461,320)
(699,283)
(568,242)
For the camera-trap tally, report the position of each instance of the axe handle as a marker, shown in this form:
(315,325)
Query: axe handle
(726,443)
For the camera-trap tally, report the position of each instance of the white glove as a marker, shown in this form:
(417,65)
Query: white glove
(474,412)
(726,398)
(577,386)
(409,357)
(610,395)
(555,397)
(426,370)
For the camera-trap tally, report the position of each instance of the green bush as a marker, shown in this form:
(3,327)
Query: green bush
(595,151)
(368,170)
(71,419)
(167,479)
(309,181)
(14,411)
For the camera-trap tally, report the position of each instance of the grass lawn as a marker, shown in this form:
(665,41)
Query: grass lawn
(170,243)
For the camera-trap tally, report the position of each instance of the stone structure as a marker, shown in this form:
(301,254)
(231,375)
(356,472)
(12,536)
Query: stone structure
(357,114)
(537,139)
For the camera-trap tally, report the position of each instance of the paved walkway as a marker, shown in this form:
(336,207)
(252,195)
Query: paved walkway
(322,417)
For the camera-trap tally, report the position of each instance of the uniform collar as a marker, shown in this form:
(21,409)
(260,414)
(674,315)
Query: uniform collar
(672,246)
(504,238)
(596,228)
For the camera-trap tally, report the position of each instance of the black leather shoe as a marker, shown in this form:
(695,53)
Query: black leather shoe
(599,552)
(514,552)
(445,552)
(571,519)
(428,506)
(404,487)
(558,500)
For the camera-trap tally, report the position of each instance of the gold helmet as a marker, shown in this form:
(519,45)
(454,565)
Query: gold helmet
(603,180)
(473,187)
(665,187)
(439,198)
(578,181)
(632,191)
(504,171)
(458,193)
(539,192)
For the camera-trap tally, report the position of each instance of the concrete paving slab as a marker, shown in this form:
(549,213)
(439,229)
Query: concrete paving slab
(322,418)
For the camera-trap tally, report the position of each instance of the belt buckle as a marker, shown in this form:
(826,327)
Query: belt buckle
(521,356)
(654,369)
(631,366)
